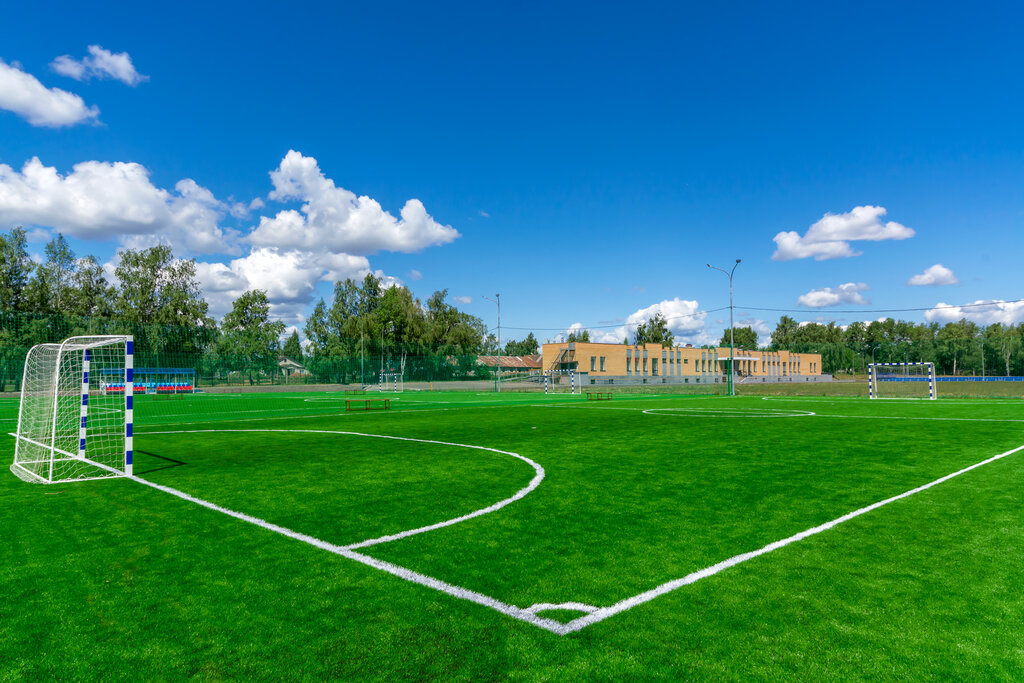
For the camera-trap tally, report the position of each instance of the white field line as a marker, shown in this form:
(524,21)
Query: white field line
(726,412)
(629,603)
(528,614)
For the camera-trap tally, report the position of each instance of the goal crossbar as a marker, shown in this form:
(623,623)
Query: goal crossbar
(875,378)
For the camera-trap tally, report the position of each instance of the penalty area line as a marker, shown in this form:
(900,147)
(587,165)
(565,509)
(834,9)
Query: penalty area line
(639,599)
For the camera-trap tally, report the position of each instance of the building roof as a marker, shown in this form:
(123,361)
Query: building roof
(531,362)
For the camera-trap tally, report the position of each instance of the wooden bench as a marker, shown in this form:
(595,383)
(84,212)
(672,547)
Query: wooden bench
(368,404)
(599,395)
(353,392)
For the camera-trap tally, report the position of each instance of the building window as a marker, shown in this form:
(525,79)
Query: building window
(602,363)
(645,366)
(593,363)
(654,366)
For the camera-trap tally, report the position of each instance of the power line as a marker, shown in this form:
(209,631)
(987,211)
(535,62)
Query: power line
(600,327)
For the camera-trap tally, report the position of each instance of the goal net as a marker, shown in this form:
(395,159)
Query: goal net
(391,381)
(901,380)
(75,417)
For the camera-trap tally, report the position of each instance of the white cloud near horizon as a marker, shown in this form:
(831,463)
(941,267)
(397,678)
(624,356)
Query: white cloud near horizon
(934,275)
(23,94)
(99,63)
(996,311)
(683,317)
(830,237)
(101,200)
(848,293)
(335,219)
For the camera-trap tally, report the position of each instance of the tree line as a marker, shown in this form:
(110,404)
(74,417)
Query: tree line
(959,347)
(157,298)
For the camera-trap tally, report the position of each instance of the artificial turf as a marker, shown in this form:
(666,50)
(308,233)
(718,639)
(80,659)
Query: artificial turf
(112,579)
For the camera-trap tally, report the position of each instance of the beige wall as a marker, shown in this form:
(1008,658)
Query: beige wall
(677,361)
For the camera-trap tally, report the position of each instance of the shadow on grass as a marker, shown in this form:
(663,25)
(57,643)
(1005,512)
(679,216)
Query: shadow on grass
(172,463)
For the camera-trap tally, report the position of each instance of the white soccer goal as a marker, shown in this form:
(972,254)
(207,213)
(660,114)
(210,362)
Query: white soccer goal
(901,380)
(75,418)
(391,381)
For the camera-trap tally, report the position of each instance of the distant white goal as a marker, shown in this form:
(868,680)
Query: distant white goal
(391,382)
(75,418)
(901,380)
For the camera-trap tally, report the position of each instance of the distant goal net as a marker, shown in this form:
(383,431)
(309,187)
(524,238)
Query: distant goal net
(901,380)
(75,417)
(391,382)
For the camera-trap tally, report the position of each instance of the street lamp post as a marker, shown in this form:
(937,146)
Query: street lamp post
(383,327)
(497,300)
(732,354)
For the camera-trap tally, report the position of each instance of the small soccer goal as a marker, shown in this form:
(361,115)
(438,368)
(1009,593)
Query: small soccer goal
(75,417)
(901,380)
(392,382)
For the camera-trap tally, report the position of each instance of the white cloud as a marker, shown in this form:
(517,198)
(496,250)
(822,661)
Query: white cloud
(464,300)
(415,274)
(484,214)
(105,200)
(23,94)
(935,275)
(849,293)
(684,319)
(335,219)
(99,64)
(288,277)
(983,312)
(830,237)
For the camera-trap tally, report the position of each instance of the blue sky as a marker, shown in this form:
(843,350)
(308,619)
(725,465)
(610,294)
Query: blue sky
(585,161)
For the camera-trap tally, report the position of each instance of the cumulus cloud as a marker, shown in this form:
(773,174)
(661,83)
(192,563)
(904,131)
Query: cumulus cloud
(830,237)
(935,275)
(849,293)
(23,94)
(289,278)
(106,200)
(99,63)
(415,274)
(464,300)
(684,319)
(983,312)
(335,219)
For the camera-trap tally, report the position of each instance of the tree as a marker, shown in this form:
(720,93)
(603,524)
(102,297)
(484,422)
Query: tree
(158,288)
(581,336)
(526,347)
(743,338)
(292,348)
(89,293)
(784,333)
(15,267)
(248,335)
(654,331)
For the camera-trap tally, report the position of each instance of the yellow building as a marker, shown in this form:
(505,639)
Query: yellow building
(654,363)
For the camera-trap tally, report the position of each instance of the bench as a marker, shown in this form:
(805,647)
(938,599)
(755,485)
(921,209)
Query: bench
(599,395)
(368,404)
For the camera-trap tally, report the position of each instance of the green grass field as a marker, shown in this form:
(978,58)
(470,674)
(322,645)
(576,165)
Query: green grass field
(116,579)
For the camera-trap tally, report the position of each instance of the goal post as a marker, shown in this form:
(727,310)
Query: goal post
(901,380)
(75,417)
(391,381)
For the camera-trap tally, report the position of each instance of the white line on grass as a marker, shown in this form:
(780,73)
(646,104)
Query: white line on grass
(528,614)
(727,412)
(629,603)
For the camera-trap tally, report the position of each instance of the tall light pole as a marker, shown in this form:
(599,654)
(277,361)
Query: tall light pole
(383,327)
(732,353)
(497,300)
(362,373)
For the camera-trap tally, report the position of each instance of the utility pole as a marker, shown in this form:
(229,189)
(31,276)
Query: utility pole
(732,354)
(497,300)
(383,327)
(362,372)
